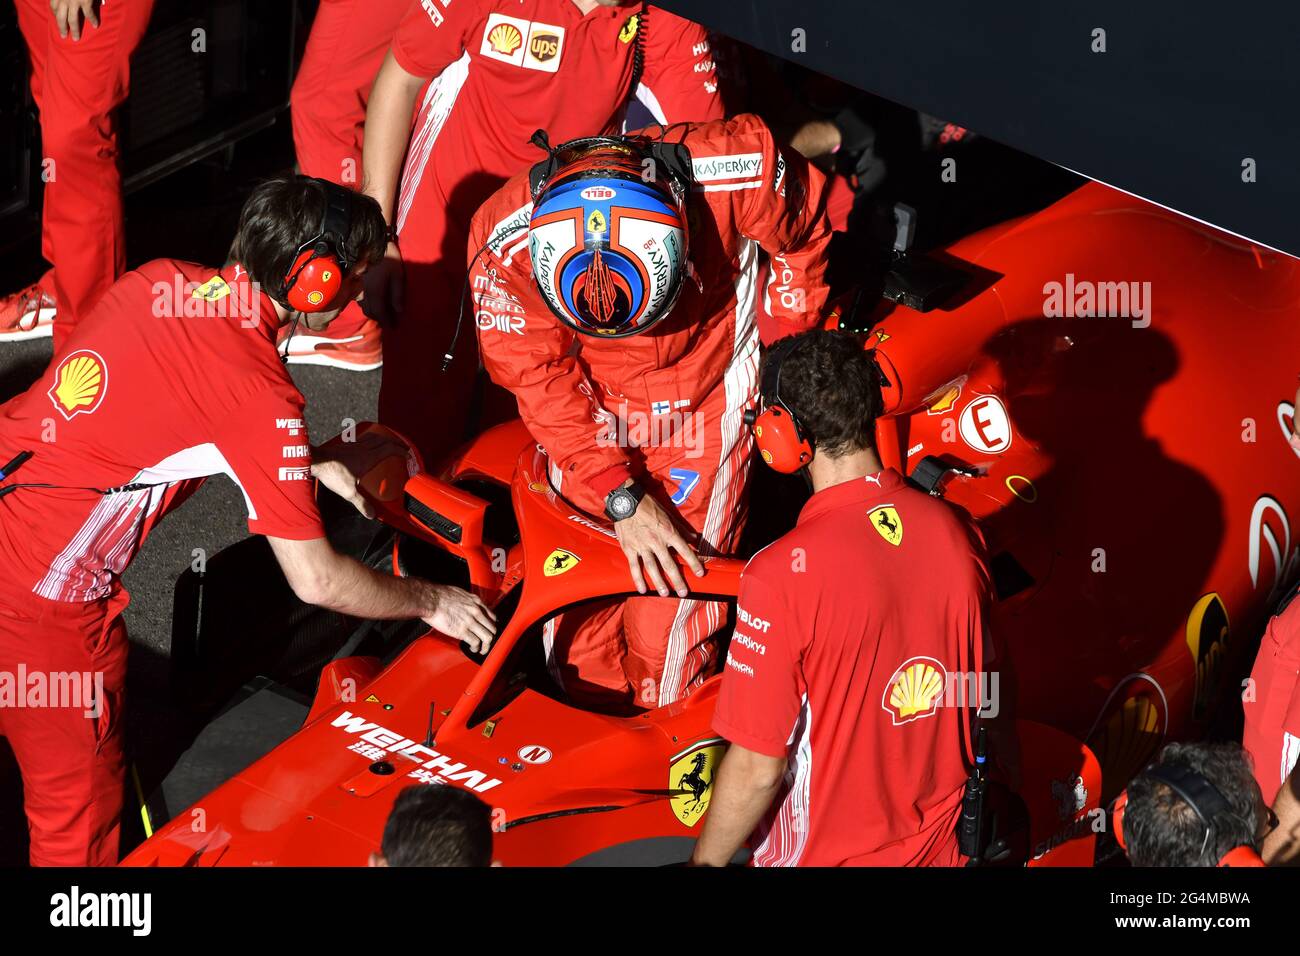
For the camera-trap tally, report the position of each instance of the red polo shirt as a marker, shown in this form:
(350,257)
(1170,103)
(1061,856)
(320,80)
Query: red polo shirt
(171,378)
(1272,729)
(851,633)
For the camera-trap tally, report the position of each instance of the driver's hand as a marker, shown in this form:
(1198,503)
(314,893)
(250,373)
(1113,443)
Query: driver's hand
(459,614)
(648,538)
(385,288)
(341,468)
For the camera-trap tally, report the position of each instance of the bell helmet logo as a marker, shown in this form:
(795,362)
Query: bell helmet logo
(597,193)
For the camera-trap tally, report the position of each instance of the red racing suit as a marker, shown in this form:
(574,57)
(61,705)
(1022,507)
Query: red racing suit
(173,377)
(77,85)
(666,406)
(503,69)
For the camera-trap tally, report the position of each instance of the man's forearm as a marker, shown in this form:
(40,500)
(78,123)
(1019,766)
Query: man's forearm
(740,799)
(387,134)
(352,588)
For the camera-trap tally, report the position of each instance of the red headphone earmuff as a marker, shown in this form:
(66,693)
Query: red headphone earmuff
(313,281)
(782,442)
(316,276)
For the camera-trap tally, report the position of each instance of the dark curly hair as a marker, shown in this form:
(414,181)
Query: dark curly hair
(284,213)
(832,386)
(433,825)
(1161,829)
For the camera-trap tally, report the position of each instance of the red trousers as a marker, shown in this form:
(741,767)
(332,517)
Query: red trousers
(77,86)
(646,652)
(345,49)
(328,104)
(67,740)
(1272,706)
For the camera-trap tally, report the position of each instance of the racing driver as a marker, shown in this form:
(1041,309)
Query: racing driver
(171,378)
(493,71)
(618,295)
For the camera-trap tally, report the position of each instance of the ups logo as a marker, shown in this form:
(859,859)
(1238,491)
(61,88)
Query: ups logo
(544,46)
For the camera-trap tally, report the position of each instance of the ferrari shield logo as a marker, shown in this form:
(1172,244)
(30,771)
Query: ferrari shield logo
(691,779)
(559,561)
(887,523)
(596,222)
(626,34)
(212,290)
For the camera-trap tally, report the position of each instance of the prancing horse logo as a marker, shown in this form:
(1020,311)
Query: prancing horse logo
(559,561)
(690,779)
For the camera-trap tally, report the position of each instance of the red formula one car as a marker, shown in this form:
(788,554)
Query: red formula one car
(1106,388)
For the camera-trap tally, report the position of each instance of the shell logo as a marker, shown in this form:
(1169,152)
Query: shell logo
(505,38)
(316,297)
(915,690)
(80,383)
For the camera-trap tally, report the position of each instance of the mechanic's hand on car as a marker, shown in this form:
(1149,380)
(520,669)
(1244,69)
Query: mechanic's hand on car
(649,537)
(459,614)
(341,465)
(69,13)
(385,288)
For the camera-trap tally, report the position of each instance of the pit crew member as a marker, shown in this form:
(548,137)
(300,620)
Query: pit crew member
(1219,817)
(500,69)
(847,744)
(80,54)
(572,263)
(348,42)
(172,378)
(431,825)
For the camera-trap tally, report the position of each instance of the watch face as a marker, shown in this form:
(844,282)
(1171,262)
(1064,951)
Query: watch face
(622,505)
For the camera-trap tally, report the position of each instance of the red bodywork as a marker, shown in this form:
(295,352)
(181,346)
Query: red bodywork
(1134,487)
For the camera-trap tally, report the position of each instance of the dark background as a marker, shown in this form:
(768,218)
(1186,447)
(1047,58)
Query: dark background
(1183,94)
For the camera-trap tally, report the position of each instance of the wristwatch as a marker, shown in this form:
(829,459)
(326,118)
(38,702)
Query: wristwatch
(622,502)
